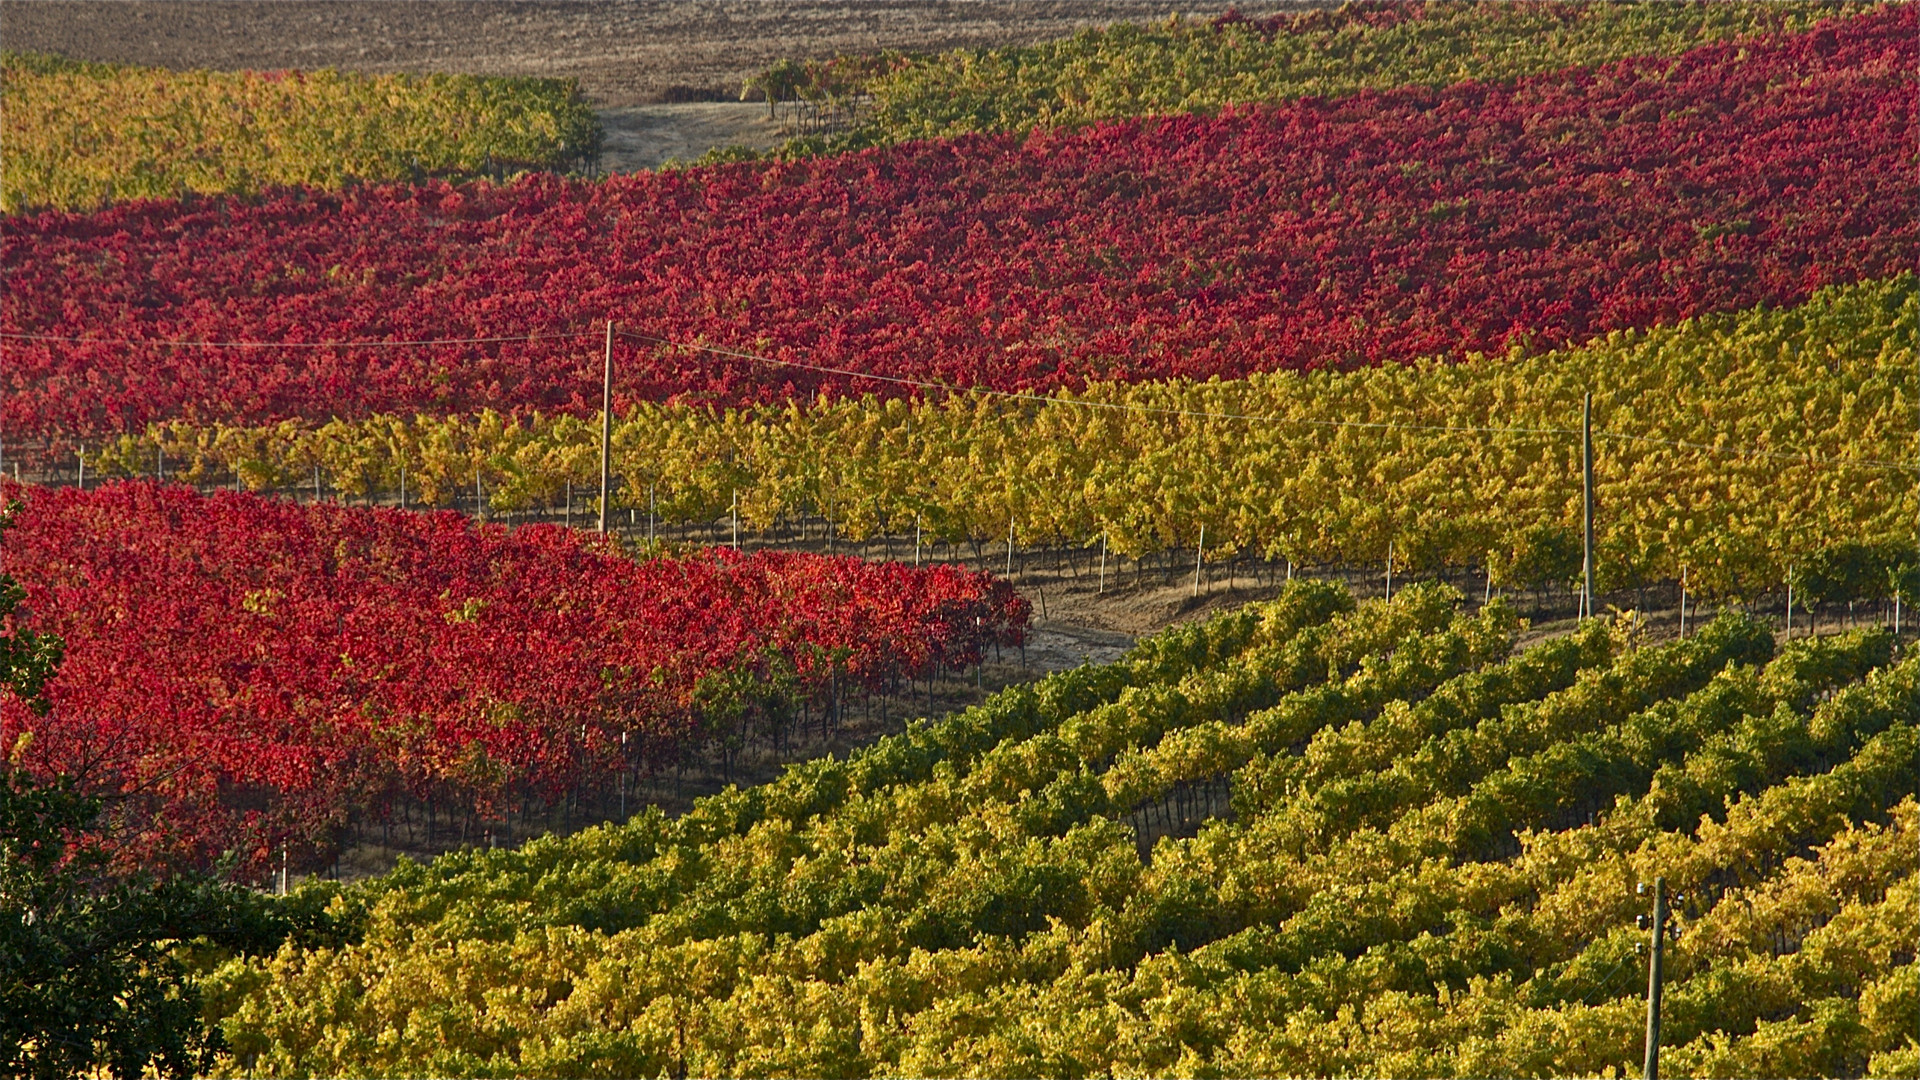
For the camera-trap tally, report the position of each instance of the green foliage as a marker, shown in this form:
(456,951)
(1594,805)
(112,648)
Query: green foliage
(1185,65)
(97,965)
(82,134)
(1851,570)
(1426,866)
(1541,555)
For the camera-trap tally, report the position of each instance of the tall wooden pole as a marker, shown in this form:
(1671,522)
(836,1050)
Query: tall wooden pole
(1654,973)
(1199,552)
(606,429)
(1586,473)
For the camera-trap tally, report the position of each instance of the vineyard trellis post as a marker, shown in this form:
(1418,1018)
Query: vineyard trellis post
(1389,596)
(1790,601)
(1586,475)
(1103,564)
(1199,552)
(1654,974)
(1683,600)
(606,428)
(736,520)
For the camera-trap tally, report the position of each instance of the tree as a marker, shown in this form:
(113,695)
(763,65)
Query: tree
(89,973)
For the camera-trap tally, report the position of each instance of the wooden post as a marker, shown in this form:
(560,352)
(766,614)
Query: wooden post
(736,520)
(1683,600)
(650,514)
(403,484)
(916,540)
(1654,973)
(1790,602)
(606,429)
(1009,545)
(1199,552)
(1586,474)
(1103,563)
(479,497)
(1389,571)
(569,517)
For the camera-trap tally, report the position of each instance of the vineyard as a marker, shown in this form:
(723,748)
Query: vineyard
(1791,446)
(1186,66)
(80,135)
(1311,837)
(1328,233)
(252,674)
(378,481)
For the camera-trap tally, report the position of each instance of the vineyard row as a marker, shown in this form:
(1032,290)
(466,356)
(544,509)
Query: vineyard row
(1731,449)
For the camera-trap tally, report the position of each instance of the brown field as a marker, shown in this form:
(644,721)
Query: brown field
(631,52)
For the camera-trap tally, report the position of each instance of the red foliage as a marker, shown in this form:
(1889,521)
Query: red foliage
(1361,230)
(244,670)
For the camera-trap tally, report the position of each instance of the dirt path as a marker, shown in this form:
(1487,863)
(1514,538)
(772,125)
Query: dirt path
(648,136)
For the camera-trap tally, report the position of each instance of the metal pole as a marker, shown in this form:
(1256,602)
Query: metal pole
(1103,562)
(736,521)
(1009,545)
(916,541)
(606,429)
(1586,473)
(1653,978)
(1389,571)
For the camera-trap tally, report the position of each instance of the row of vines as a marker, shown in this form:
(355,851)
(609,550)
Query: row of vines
(1428,865)
(1735,447)
(1324,233)
(243,674)
(81,135)
(1190,65)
